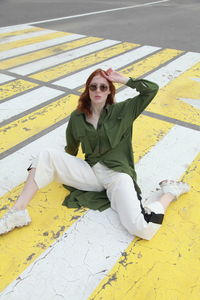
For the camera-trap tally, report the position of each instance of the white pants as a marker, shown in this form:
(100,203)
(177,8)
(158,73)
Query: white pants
(52,164)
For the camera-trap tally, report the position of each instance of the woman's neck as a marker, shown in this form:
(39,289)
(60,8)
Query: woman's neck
(97,109)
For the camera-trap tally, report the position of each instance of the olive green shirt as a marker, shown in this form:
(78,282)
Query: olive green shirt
(110,143)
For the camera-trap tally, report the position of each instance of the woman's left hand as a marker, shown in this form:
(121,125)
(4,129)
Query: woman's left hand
(114,76)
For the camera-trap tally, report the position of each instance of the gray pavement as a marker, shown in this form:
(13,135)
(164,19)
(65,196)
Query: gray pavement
(173,24)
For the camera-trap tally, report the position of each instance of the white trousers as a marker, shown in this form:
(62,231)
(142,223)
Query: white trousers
(53,164)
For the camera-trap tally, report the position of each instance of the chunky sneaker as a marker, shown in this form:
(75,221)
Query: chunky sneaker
(176,188)
(14,218)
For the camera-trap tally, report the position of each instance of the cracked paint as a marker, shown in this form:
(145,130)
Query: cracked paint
(15,132)
(76,64)
(15,87)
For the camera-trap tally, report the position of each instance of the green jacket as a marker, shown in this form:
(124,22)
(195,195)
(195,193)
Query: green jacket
(109,144)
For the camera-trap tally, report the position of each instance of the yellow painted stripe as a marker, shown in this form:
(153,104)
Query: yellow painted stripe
(49,218)
(15,87)
(168,266)
(148,64)
(151,130)
(83,62)
(167,101)
(25,127)
(27,58)
(32,40)
(20,32)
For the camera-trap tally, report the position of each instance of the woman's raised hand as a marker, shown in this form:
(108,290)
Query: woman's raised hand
(114,76)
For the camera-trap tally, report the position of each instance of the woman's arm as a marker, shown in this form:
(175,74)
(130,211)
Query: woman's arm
(147,91)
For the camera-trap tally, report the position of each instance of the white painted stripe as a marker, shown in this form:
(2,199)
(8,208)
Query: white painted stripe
(39,46)
(165,74)
(21,158)
(25,36)
(62,58)
(79,78)
(91,247)
(99,12)
(14,28)
(194,102)
(4,78)
(12,179)
(24,102)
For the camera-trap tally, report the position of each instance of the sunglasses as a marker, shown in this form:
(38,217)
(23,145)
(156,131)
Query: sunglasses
(102,87)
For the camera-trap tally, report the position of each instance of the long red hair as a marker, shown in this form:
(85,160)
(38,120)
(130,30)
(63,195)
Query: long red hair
(84,103)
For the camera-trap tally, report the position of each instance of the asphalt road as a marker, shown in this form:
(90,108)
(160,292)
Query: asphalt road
(172,24)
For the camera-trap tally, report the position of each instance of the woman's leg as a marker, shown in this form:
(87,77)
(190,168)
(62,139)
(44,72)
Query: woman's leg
(138,220)
(50,165)
(28,192)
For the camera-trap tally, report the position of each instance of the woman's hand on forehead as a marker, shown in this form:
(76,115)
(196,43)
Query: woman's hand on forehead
(114,76)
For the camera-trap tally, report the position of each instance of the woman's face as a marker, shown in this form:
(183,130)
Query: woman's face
(98,90)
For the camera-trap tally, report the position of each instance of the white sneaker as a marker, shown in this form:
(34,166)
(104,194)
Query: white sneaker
(14,218)
(176,188)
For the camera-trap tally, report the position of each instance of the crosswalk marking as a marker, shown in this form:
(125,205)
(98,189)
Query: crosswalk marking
(60,58)
(157,129)
(182,86)
(15,28)
(39,45)
(66,68)
(4,78)
(14,87)
(27,58)
(42,35)
(22,103)
(148,64)
(79,78)
(31,35)
(35,119)
(143,269)
(25,127)
(81,271)
(7,35)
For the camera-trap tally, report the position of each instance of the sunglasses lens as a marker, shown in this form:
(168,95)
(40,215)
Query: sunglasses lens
(103,87)
(94,87)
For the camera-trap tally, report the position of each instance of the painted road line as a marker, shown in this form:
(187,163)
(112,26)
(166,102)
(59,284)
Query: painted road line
(27,101)
(79,251)
(98,12)
(15,87)
(61,58)
(5,78)
(144,269)
(21,159)
(148,64)
(39,45)
(18,131)
(175,97)
(27,58)
(49,220)
(15,28)
(7,35)
(167,73)
(29,41)
(24,36)
(79,78)
(66,68)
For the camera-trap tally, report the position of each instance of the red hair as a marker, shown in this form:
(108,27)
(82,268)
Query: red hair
(84,103)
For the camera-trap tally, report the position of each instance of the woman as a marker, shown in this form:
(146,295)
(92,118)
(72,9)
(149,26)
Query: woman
(104,130)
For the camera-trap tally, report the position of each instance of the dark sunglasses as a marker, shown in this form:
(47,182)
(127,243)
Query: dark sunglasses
(94,87)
